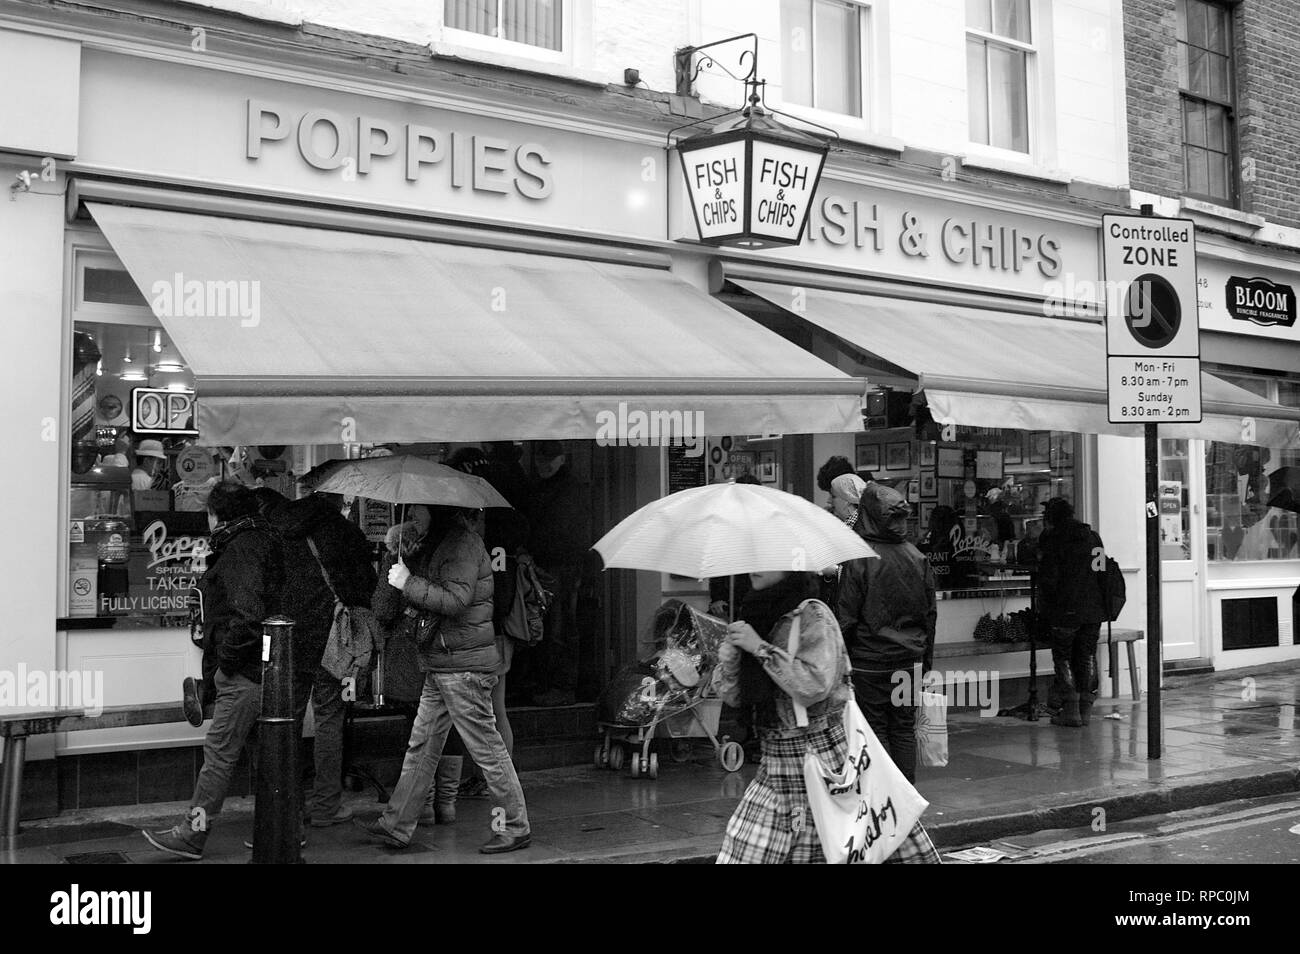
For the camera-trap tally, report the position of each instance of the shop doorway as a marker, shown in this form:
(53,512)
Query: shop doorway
(1182,552)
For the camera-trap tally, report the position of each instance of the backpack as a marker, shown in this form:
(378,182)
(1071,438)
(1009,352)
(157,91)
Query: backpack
(527,617)
(1111,581)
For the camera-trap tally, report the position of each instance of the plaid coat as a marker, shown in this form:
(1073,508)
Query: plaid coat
(773,823)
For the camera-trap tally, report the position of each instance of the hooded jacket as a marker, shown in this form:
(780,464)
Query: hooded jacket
(886,606)
(452,580)
(306,598)
(1069,589)
(240,588)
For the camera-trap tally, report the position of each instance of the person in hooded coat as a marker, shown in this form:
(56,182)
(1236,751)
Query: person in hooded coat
(887,613)
(1070,603)
(343,553)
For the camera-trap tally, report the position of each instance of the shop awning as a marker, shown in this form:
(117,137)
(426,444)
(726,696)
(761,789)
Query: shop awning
(300,335)
(990,369)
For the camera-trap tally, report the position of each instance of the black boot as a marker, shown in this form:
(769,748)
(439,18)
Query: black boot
(1069,714)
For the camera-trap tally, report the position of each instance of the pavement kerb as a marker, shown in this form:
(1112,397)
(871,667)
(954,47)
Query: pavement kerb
(1178,796)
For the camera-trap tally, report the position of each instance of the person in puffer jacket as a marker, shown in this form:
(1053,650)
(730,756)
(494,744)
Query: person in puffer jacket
(887,613)
(449,581)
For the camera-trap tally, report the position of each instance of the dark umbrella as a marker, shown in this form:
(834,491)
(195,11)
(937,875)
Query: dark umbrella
(1285,484)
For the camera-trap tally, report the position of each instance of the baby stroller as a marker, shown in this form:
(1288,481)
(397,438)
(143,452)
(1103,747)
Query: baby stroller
(667,695)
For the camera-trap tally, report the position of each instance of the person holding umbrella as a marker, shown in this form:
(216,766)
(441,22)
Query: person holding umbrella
(726,529)
(449,584)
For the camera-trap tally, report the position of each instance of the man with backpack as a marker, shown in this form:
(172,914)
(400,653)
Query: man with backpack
(1072,604)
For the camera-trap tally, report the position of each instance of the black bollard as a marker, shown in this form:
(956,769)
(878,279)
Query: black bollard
(277,818)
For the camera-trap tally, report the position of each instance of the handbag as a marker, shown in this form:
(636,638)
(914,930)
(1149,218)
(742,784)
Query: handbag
(932,730)
(352,633)
(867,808)
(527,617)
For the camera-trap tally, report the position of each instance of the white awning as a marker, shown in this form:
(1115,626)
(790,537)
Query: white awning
(302,335)
(989,369)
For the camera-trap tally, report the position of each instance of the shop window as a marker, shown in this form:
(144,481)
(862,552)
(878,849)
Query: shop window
(1250,623)
(977,501)
(822,54)
(999,54)
(137,530)
(1250,489)
(1205,71)
(110,286)
(534,23)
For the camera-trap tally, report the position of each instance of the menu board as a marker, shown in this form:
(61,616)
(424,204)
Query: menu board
(685,471)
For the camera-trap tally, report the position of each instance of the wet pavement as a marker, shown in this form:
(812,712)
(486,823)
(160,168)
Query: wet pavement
(1225,736)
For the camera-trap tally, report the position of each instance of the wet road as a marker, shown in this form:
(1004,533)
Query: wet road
(1260,831)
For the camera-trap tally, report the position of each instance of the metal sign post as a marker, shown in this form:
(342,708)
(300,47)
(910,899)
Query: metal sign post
(1153,373)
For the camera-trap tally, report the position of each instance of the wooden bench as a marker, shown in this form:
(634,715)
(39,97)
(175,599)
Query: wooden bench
(980,647)
(17,727)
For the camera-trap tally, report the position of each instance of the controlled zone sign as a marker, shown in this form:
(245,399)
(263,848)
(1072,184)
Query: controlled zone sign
(1153,332)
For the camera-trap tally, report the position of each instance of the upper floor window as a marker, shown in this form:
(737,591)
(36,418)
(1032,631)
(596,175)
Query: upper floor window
(537,23)
(999,51)
(821,54)
(1205,84)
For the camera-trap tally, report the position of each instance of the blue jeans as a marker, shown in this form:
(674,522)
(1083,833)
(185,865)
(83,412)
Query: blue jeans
(462,699)
(239,703)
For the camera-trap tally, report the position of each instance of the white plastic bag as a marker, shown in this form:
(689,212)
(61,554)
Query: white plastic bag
(866,810)
(932,730)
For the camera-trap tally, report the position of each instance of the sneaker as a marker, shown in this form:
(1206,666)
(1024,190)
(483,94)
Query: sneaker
(475,787)
(174,842)
(500,844)
(248,843)
(339,817)
(190,703)
(377,829)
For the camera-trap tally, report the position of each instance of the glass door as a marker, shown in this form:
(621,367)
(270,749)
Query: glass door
(1182,576)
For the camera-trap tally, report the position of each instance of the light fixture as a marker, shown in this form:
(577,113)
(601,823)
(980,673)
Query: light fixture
(126,358)
(134,375)
(751,179)
(157,342)
(99,368)
(168,367)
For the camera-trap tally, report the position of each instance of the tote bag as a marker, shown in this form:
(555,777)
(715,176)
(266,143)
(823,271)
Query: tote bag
(932,730)
(864,811)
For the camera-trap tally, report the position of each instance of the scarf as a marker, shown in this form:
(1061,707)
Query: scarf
(762,609)
(226,532)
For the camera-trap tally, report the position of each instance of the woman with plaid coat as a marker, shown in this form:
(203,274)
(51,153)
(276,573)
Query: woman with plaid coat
(773,823)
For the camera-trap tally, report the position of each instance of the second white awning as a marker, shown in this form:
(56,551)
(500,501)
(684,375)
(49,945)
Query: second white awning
(990,369)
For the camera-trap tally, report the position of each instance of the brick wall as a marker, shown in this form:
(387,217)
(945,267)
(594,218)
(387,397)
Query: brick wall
(1266,36)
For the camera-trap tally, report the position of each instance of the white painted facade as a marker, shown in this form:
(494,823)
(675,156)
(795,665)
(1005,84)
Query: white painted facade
(914,53)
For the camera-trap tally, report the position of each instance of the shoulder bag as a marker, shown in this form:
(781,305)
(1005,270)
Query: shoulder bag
(352,633)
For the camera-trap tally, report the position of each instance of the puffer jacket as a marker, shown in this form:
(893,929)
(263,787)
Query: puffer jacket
(1069,589)
(453,581)
(886,606)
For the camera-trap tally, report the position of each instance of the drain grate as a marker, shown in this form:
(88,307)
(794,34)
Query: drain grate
(98,858)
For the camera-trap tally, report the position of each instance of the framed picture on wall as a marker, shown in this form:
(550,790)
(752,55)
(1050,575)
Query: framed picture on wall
(913,490)
(929,485)
(767,467)
(1040,447)
(898,456)
(1013,449)
(950,462)
(923,515)
(928,453)
(868,457)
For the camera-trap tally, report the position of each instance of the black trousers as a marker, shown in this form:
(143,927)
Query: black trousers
(891,715)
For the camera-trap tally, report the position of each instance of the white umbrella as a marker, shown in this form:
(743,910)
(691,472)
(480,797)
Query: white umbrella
(727,529)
